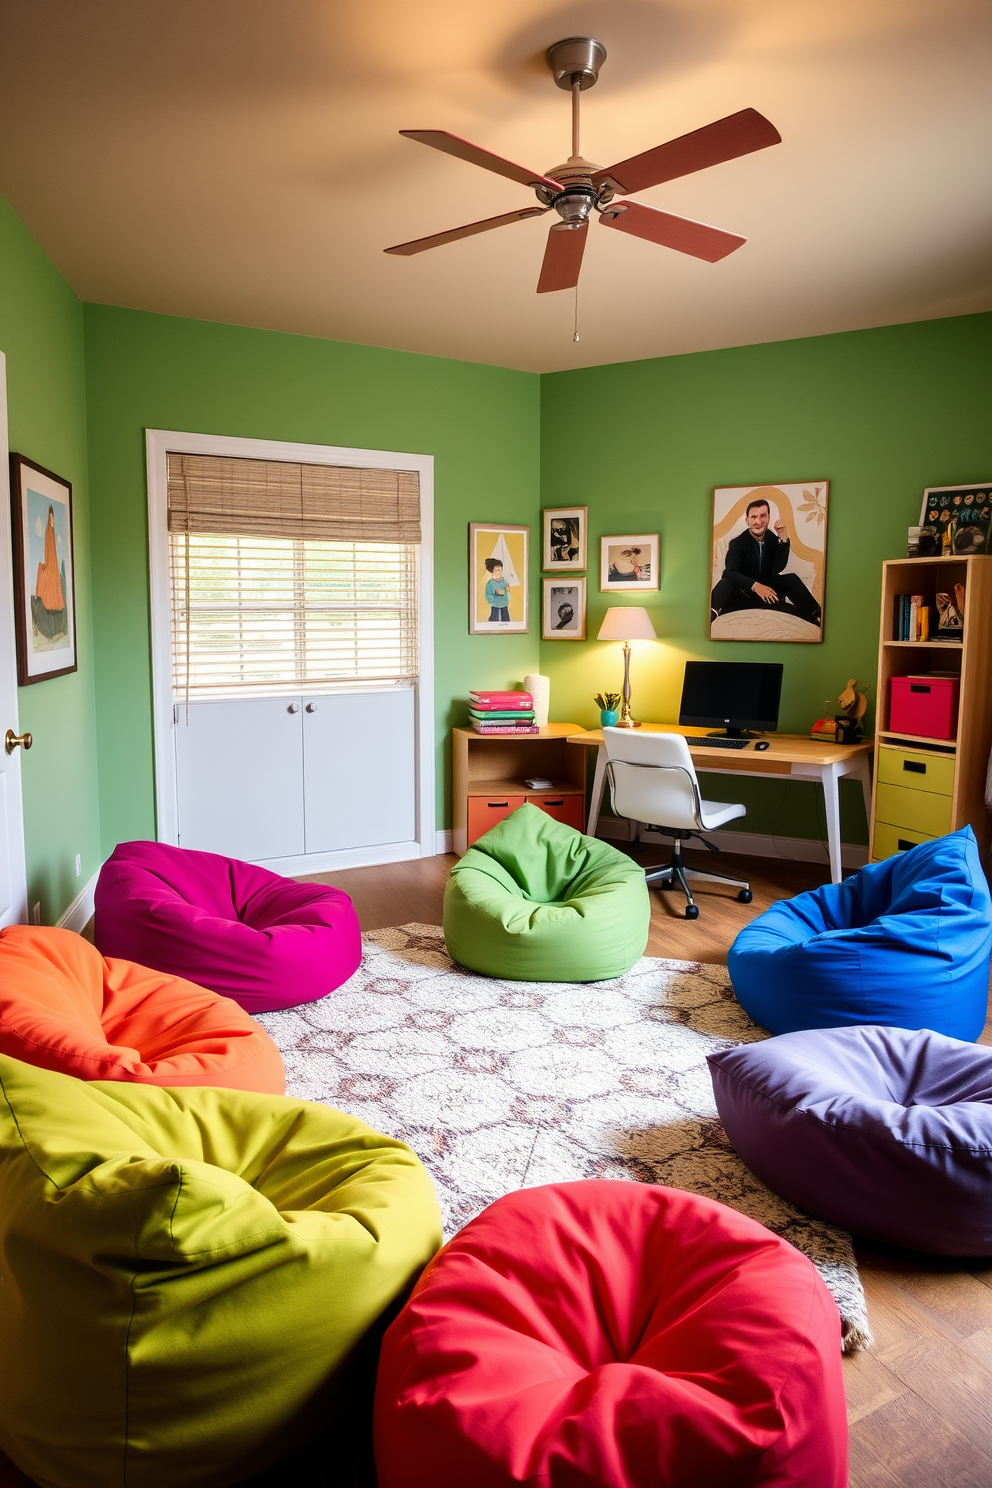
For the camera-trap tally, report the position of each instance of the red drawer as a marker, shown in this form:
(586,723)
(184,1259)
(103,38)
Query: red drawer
(485,811)
(567,809)
(925,706)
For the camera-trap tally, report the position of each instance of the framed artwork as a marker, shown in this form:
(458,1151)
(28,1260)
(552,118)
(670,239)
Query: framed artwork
(628,562)
(565,538)
(957,518)
(769,562)
(563,609)
(497,585)
(44,574)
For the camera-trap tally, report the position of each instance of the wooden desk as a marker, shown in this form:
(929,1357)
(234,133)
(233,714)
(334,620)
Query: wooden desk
(788,757)
(496,765)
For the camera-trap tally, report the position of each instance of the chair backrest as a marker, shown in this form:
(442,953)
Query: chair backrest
(652,779)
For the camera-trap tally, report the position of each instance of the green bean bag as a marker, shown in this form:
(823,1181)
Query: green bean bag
(185,1274)
(535,901)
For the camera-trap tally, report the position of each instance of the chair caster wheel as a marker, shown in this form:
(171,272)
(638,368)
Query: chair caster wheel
(692,911)
(745,896)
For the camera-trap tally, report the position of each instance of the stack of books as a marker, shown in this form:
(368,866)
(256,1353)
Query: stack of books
(502,713)
(914,619)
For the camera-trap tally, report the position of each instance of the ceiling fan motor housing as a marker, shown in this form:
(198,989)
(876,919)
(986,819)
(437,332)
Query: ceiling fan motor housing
(577,59)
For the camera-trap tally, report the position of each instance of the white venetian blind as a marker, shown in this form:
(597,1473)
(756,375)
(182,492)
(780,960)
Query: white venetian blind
(290,575)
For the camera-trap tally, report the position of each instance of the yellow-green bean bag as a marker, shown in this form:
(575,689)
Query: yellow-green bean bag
(184,1274)
(535,901)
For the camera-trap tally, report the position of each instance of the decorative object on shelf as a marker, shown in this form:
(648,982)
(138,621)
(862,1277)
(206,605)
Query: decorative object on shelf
(844,727)
(628,562)
(956,520)
(44,572)
(626,623)
(540,690)
(609,708)
(563,610)
(769,562)
(497,599)
(565,538)
(950,626)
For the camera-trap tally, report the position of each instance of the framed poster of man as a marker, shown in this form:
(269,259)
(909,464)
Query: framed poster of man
(769,562)
(497,587)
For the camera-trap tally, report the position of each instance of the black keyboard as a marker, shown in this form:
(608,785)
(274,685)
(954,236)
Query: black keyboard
(714,741)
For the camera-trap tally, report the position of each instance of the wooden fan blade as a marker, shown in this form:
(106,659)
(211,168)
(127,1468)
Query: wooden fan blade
(440,139)
(418,245)
(680,233)
(737,134)
(562,258)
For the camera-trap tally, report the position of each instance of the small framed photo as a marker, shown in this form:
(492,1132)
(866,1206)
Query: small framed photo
(565,538)
(956,519)
(44,573)
(563,609)
(628,562)
(498,579)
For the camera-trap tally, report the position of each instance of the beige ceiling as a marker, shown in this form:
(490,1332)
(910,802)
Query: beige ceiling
(238,160)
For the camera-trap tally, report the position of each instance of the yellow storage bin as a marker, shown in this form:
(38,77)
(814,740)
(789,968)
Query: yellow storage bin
(922,811)
(892,840)
(916,770)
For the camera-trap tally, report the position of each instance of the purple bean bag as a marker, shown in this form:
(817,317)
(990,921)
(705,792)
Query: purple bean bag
(885,1131)
(263,940)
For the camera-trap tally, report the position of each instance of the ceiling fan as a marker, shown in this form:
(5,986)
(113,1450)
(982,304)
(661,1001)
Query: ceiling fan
(578,188)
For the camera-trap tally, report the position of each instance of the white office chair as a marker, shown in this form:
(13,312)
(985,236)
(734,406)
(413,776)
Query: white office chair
(652,781)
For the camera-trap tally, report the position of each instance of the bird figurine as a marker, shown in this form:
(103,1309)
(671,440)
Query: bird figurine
(853,704)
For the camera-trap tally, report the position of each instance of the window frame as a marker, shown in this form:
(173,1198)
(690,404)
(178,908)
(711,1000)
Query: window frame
(159,443)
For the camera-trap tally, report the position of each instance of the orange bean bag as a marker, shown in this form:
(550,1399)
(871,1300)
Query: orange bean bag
(64,1008)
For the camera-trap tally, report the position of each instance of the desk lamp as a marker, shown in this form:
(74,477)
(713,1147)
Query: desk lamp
(626,623)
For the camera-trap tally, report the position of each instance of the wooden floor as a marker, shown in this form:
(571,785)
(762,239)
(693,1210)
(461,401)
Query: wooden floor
(920,1401)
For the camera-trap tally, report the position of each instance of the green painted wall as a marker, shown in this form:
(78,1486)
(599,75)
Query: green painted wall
(41,332)
(482,425)
(881,414)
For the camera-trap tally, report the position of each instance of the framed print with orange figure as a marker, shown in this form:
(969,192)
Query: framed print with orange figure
(44,572)
(498,578)
(769,561)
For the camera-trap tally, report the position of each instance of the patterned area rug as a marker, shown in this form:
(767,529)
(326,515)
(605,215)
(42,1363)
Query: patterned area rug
(504,1085)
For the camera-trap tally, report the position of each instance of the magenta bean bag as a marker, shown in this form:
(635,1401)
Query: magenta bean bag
(263,940)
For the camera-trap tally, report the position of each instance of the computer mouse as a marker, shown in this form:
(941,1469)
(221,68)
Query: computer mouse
(762,744)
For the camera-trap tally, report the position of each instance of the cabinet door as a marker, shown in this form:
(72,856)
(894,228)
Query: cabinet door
(239,772)
(359,767)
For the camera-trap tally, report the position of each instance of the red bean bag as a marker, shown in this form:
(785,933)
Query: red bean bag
(613,1335)
(64,1008)
(267,941)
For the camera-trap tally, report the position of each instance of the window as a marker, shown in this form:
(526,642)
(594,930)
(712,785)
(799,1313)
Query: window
(290,576)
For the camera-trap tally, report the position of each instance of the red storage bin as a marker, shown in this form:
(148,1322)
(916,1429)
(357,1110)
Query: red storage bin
(926,706)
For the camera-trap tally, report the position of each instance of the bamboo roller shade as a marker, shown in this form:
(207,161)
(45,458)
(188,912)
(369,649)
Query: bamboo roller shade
(275,498)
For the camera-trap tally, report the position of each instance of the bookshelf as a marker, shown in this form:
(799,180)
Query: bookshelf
(489,774)
(923,786)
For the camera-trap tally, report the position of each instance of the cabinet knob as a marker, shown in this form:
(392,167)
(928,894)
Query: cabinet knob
(293,708)
(311,707)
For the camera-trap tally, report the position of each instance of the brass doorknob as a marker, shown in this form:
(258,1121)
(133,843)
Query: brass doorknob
(12,740)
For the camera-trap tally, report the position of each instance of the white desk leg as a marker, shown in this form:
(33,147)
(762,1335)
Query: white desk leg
(598,785)
(831,801)
(864,775)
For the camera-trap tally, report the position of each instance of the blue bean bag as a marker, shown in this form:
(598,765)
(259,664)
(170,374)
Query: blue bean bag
(904,943)
(882,1131)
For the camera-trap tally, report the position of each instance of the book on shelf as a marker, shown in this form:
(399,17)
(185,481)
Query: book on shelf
(501,715)
(505,728)
(496,700)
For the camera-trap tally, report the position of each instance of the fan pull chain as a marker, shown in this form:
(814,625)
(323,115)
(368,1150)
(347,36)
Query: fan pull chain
(575,336)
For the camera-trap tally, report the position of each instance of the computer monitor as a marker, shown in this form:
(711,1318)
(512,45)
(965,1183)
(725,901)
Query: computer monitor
(739,695)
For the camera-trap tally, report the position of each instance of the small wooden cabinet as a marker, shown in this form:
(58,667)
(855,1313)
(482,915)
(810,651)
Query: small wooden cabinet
(489,772)
(925,787)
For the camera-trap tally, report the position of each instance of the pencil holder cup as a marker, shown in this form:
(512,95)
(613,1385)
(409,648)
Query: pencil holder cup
(608,717)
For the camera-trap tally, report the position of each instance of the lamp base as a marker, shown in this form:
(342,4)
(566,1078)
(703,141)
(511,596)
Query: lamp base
(627,723)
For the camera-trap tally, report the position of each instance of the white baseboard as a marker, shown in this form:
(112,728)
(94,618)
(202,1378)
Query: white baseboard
(750,844)
(346,857)
(444,841)
(80,911)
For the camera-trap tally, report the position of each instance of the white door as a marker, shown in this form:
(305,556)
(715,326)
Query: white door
(239,777)
(13,879)
(360,770)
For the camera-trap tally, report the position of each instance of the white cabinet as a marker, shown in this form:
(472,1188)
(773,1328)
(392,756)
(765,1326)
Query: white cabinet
(321,779)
